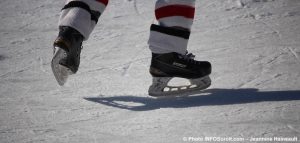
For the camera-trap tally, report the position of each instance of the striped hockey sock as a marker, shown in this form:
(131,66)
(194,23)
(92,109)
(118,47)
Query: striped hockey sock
(175,18)
(82,15)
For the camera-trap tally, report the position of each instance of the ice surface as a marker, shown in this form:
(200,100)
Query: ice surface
(253,45)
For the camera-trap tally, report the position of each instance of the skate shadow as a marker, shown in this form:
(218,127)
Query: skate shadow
(209,97)
(2,57)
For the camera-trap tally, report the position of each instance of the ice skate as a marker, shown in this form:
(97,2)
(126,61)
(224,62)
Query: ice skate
(66,59)
(164,67)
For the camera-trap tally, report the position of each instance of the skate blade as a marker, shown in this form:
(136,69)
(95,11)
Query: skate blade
(160,89)
(61,73)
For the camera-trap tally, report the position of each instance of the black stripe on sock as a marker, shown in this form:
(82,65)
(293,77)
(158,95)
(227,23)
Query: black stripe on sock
(94,14)
(171,31)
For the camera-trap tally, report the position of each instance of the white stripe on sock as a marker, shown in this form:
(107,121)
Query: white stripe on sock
(164,43)
(176,21)
(78,19)
(163,3)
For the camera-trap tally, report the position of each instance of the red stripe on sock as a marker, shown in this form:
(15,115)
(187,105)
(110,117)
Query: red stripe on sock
(175,10)
(105,2)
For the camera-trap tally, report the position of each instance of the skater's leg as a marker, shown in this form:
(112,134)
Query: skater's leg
(175,18)
(82,15)
(77,20)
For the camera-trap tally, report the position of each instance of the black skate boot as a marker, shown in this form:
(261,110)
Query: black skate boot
(67,48)
(164,67)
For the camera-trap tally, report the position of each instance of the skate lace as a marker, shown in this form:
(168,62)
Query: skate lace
(189,57)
